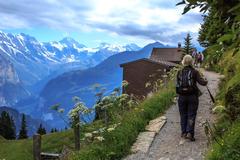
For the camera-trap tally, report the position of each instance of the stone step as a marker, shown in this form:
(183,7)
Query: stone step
(145,139)
(156,124)
(143,142)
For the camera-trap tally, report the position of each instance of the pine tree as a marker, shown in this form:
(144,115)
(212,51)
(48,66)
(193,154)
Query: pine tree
(23,130)
(188,47)
(12,133)
(52,130)
(7,126)
(41,130)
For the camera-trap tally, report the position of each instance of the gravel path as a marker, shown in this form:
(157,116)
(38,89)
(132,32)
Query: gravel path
(168,145)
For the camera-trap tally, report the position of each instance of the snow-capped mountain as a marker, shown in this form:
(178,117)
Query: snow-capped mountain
(105,50)
(29,57)
(118,48)
(67,50)
(35,62)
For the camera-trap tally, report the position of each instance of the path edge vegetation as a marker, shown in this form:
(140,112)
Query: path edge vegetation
(117,143)
(220,35)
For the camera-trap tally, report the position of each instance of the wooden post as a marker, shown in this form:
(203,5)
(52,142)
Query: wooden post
(77,133)
(37,147)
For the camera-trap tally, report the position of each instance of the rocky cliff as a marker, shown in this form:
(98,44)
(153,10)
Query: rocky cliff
(11,90)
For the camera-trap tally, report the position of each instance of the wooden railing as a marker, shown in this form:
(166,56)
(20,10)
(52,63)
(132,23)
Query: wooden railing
(39,155)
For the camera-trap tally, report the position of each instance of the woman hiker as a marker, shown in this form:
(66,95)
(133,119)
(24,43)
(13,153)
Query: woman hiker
(186,88)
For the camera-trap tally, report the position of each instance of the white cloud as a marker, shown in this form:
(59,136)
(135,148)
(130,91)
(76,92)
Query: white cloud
(150,19)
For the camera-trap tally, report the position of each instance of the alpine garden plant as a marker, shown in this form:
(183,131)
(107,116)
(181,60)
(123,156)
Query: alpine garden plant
(111,107)
(75,115)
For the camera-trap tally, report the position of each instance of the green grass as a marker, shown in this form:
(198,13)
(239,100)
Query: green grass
(228,147)
(22,149)
(2,139)
(116,144)
(12,150)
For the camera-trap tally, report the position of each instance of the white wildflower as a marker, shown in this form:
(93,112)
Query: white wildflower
(106,98)
(110,129)
(148,84)
(95,132)
(101,130)
(88,135)
(99,138)
(125,83)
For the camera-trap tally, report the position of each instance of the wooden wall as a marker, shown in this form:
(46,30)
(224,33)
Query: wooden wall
(138,73)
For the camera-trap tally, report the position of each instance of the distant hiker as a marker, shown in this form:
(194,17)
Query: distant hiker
(194,52)
(199,59)
(202,56)
(188,92)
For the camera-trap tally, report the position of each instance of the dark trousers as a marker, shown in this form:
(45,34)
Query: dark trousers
(188,105)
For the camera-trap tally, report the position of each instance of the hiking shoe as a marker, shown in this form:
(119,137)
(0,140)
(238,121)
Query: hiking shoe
(190,137)
(184,135)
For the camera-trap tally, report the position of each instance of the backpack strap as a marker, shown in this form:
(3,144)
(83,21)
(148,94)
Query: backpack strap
(190,77)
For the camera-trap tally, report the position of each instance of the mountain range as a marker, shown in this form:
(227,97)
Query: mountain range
(31,64)
(44,74)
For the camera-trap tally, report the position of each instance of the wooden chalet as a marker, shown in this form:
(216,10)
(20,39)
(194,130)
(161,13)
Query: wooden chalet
(148,70)
(173,55)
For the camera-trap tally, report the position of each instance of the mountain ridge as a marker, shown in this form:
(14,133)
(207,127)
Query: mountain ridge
(34,62)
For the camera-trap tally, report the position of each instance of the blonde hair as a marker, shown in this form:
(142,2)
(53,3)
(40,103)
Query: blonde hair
(187,60)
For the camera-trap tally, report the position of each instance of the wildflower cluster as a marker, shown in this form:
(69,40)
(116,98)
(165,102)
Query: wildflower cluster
(78,109)
(162,79)
(105,103)
(98,134)
(110,107)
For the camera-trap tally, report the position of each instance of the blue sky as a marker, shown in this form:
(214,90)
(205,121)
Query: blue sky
(94,21)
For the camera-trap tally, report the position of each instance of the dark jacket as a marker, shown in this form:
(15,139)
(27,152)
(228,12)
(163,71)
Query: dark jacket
(197,78)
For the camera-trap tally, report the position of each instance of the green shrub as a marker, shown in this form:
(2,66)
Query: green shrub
(228,147)
(232,86)
(232,97)
(228,126)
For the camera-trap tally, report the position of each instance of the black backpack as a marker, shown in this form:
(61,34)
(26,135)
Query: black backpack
(185,82)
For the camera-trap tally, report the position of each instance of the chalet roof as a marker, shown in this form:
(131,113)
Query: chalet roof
(166,54)
(165,63)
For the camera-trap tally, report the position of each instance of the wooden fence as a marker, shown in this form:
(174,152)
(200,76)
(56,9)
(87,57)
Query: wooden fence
(39,155)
